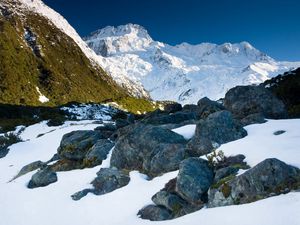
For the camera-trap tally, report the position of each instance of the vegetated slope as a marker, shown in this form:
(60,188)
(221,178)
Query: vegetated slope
(182,73)
(41,64)
(287,88)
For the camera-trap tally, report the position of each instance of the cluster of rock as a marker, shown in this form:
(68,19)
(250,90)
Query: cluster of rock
(147,144)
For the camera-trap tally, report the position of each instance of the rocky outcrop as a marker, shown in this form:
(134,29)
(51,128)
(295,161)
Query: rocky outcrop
(155,213)
(268,178)
(207,107)
(150,149)
(243,101)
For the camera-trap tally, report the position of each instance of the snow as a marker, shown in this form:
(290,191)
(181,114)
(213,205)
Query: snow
(187,131)
(182,73)
(53,204)
(42,98)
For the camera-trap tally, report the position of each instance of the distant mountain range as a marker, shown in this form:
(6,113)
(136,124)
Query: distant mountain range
(183,73)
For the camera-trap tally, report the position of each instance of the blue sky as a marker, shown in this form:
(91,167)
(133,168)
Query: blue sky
(272,26)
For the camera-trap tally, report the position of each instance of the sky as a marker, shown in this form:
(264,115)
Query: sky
(272,26)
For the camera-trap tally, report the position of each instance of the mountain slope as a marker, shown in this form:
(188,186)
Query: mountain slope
(44,61)
(184,72)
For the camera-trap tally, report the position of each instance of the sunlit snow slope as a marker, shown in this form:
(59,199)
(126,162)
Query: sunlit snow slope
(184,72)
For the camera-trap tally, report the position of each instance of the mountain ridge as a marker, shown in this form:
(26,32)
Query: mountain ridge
(182,72)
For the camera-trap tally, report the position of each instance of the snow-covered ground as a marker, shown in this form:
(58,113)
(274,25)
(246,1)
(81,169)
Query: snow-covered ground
(52,205)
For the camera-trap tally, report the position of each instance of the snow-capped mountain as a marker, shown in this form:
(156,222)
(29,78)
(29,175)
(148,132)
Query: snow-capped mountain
(184,72)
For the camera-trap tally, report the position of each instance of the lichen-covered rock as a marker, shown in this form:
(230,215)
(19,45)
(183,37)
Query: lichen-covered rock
(268,178)
(174,118)
(42,178)
(172,107)
(76,144)
(194,179)
(253,118)
(199,146)
(150,149)
(225,172)
(155,213)
(243,101)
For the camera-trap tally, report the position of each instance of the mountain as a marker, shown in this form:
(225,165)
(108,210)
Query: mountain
(184,72)
(45,62)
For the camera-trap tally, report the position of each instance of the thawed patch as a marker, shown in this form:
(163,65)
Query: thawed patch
(42,98)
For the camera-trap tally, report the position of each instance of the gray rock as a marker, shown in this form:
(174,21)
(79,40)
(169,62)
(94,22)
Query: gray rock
(268,178)
(246,100)
(279,132)
(98,152)
(42,178)
(194,179)
(121,123)
(76,144)
(171,201)
(218,128)
(207,107)
(155,213)
(150,149)
(106,130)
(107,180)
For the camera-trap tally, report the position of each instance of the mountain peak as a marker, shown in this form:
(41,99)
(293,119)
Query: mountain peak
(129,29)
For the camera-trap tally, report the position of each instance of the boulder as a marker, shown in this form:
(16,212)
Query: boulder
(150,149)
(76,144)
(42,178)
(194,179)
(243,101)
(98,152)
(218,128)
(225,172)
(155,213)
(171,201)
(121,123)
(268,178)
(67,165)
(106,130)
(207,107)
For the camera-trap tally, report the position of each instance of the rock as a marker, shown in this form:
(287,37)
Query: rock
(207,107)
(173,107)
(108,180)
(194,179)
(252,119)
(98,153)
(150,149)
(190,108)
(268,178)
(279,132)
(76,144)
(42,178)
(29,168)
(199,146)
(218,128)
(225,172)
(155,213)
(243,101)
(171,201)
